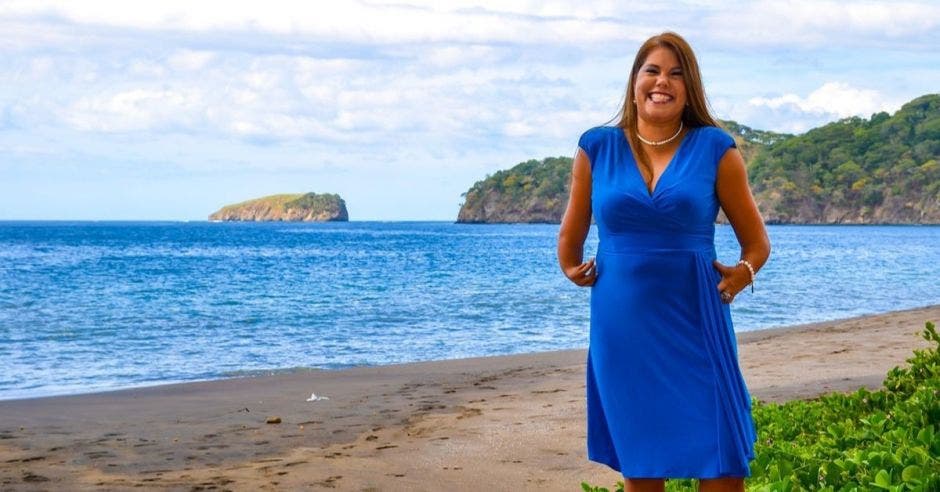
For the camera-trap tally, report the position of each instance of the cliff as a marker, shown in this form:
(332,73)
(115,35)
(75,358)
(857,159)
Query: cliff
(854,171)
(300,207)
(532,191)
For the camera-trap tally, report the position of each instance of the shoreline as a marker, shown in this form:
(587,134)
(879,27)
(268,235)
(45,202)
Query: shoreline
(468,424)
(443,221)
(750,336)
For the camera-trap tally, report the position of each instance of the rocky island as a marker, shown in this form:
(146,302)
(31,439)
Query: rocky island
(299,207)
(881,170)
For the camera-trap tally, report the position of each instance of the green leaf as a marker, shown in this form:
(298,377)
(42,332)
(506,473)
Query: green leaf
(912,474)
(882,479)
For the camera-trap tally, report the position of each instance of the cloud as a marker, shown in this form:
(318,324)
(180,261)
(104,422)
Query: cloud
(133,110)
(350,21)
(826,24)
(794,113)
(461,75)
(190,59)
(269,98)
(833,98)
(766,23)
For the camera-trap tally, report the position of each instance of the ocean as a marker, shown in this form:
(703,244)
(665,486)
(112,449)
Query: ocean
(93,306)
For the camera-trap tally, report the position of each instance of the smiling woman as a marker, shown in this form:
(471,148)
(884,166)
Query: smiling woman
(665,395)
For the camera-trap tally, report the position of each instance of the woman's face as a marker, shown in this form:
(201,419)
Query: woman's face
(660,88)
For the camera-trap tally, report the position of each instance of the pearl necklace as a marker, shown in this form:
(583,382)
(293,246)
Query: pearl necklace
(661,142)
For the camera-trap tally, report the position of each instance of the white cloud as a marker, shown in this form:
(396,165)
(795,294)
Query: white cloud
(190,59)
(146,69)
(133,110)
(807,23)
(354,21)
(795,114)
(825,24)
(833,98)
(457,55)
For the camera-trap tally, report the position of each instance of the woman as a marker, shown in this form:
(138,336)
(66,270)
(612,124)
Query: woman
(665,395)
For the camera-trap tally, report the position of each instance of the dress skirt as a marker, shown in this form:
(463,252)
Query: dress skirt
(673,403)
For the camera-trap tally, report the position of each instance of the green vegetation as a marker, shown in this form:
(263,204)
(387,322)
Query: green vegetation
(322,201)
(750,135)
(545,178)
(883,440)
(532,191)
(750,141)
(274,201)
(880,170)
(286,207)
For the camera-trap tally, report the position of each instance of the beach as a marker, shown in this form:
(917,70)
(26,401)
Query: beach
(513,422)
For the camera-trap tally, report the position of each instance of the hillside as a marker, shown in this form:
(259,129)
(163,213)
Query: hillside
(532,191)
(878,170)
(300,207)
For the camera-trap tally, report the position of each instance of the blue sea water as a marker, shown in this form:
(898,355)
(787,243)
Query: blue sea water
(90,306)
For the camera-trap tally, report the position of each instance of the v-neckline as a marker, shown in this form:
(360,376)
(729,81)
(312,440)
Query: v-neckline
(636,165)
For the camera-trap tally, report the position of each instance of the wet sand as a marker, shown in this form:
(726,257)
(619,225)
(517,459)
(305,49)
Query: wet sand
(490,423)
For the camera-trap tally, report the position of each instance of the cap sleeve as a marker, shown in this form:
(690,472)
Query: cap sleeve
(721,142)
(589,143)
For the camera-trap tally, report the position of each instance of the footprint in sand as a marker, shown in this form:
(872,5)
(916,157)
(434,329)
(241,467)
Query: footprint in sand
(31,477)
(99,454)
(556,390)
(329,482)
(469,412)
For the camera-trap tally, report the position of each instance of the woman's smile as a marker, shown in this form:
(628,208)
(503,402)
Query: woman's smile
(660,97)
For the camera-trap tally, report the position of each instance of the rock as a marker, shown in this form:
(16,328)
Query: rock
(303,207)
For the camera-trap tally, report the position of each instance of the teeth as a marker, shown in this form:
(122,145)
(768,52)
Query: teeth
(660,97)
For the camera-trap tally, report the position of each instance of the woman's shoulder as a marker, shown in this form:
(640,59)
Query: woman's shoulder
(714,141)
(601,131)
(595,139)
(716,135)
(597,134)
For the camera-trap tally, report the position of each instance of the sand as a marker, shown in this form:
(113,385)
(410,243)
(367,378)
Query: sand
(491,423)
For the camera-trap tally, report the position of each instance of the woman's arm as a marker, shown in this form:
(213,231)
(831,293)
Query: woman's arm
(576,224)
(734,195)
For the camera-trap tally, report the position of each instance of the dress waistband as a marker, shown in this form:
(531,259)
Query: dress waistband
(645,241)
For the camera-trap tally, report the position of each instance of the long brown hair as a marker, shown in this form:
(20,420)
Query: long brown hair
(695,114)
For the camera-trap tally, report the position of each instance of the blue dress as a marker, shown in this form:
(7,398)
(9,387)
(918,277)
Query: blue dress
(665,395)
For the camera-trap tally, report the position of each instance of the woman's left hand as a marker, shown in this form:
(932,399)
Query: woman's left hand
(733,280)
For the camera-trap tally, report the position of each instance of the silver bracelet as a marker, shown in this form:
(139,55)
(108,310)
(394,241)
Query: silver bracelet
(750,268)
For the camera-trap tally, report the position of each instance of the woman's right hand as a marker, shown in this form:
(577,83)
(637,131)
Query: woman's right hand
(584,274)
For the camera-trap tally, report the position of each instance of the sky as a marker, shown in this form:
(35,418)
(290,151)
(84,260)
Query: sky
(113,110)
